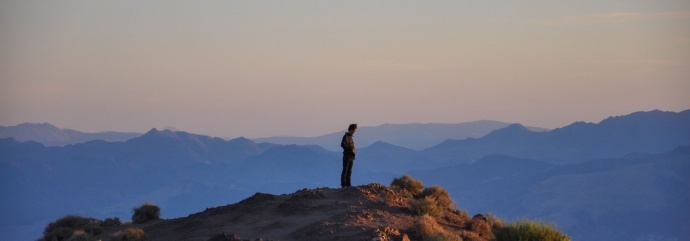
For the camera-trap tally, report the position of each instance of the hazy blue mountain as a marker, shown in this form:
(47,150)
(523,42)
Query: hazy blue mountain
(382,156)
(653,132)
(637,197)
(50,135)
(42,183)
(412,136)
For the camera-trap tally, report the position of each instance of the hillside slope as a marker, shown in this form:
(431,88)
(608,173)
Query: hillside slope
(364,212)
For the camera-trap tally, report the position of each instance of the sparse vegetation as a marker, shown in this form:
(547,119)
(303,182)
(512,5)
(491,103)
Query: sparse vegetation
(426,206)
(432,201)
(110,222)
(81,235)
(457,217)
(410,185)
(439,219)
(147,212)
(443,236)
(426,226)
(439,194)
(479,224)
(529,230)
(461,213)
(63,229)
(494,221)
(131,234)
(435,218)
(428,229)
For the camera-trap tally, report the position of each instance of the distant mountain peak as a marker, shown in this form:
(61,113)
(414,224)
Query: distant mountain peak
(44,124)
(385,145)
(511,131)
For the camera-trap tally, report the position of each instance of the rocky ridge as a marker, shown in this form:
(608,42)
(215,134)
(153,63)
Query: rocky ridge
(367,212)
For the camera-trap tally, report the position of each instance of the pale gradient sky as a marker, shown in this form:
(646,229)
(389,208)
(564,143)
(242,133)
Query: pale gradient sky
(305,68)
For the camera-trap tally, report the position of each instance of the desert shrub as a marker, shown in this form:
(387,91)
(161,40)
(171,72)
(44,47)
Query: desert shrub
(132,234)
(529,230)
(457,217)
(470,236)
(462,214)
(81,235)
(427,205)
(64,228)
(441,195)
(479,224)
(443,236)
(147,212)
(426,226)
(494,221)
(409,184)
(110,222)
(428,229)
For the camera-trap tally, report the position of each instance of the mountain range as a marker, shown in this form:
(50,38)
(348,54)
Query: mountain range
(624,178)
(413,136)
(50,135)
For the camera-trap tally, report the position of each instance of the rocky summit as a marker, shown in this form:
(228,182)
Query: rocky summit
(367,212)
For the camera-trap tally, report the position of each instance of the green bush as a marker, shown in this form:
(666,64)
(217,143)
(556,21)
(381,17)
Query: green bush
(132,234)
(427,205)
(441,195)
(147,212)
(529,230)
(63,228)
(409,184)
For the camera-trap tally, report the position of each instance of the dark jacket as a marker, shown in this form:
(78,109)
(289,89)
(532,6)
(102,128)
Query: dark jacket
(348,145)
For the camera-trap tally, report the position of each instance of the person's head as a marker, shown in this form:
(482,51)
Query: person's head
(352,128)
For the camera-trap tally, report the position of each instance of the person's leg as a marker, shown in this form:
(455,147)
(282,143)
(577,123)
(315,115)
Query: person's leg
(343,175)
(350,162)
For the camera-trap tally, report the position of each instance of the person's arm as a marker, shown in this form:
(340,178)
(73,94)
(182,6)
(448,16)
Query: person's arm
(344,143)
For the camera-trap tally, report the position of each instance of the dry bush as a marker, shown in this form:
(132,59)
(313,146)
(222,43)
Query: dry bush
(470,236)
(443,236)
(81,235)
(147,212)
(457,217)
(111,222)
(409,184)
(426,226)
(530,230)
(64,228)
(494,221)
(426,206)
(132,234)
(441,195)
(479,225)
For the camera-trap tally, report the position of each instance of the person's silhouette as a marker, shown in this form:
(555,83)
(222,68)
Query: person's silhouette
(349,150)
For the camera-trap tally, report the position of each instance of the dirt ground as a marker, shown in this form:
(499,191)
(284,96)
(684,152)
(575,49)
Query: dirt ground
(368,212)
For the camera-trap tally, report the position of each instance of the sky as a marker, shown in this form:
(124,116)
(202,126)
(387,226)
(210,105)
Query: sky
(306,68)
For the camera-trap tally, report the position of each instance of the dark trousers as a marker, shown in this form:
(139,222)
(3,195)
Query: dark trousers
(348,160)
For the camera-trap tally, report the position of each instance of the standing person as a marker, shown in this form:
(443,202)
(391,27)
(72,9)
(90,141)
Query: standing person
(348,145)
